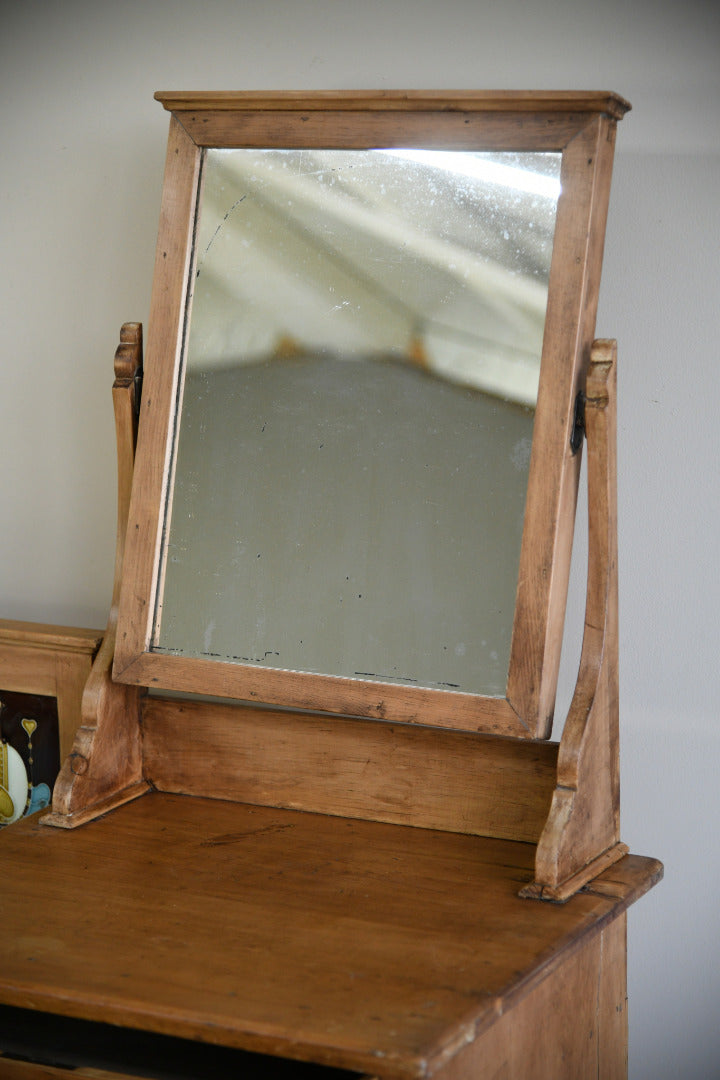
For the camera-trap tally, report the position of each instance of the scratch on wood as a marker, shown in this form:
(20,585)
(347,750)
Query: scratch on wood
(233,838)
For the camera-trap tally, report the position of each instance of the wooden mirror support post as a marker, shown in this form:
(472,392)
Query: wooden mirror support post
(582,834)
(104,768)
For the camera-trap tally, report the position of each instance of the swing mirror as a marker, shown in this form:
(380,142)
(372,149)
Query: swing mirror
(354,487)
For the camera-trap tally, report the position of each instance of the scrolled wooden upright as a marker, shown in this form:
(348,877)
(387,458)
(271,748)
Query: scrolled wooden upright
(582,833)
(104,767)
(335,871)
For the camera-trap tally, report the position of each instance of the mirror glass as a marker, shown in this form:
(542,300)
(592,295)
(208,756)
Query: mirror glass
(356,405)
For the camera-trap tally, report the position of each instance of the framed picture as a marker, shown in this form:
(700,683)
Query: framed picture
(43,670)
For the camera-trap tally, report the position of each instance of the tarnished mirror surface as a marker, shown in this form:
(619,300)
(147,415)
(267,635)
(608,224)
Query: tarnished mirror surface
(356,411)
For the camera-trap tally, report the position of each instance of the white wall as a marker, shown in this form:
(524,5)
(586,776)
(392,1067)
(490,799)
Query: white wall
(82,152)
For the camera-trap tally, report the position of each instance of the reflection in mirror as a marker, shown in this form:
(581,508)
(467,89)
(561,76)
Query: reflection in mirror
(357,401)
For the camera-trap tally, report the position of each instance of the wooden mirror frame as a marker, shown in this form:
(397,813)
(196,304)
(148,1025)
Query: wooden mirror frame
(582,127)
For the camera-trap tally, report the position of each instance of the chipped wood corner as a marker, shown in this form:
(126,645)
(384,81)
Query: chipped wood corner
(104,768)
(581,835)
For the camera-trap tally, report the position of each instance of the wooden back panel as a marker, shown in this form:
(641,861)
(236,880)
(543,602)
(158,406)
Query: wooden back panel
(435,779)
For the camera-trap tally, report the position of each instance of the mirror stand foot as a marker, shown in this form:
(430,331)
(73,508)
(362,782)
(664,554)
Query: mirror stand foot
(561,892)
(104,806)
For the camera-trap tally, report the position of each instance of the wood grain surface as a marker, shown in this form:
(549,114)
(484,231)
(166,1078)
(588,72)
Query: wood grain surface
(357,944)
(349,767)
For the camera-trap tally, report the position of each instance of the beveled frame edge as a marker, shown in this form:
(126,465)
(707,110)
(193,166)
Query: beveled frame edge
(466,120)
